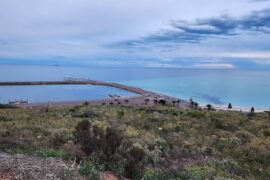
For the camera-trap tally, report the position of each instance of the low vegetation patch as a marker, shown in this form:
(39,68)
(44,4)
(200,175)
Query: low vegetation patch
(142,142)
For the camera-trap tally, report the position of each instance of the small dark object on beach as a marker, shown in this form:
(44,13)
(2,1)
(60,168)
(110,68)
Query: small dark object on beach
(103,104)
(230,106)
(85,103)
(126,100)
(147,101)
(111,103)
(162,101)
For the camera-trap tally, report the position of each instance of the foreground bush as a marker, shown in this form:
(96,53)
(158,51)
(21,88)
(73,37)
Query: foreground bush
(143,142)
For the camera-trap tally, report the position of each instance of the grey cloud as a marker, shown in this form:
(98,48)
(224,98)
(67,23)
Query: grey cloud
(258,1)
(221,27)
(2,42)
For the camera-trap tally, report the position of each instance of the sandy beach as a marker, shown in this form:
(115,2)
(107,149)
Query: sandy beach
(241,109)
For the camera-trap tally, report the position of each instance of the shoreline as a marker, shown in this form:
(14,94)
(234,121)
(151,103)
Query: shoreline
(145,97)
(130,101)
(241,109)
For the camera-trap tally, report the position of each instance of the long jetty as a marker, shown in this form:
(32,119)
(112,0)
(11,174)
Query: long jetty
(77,82)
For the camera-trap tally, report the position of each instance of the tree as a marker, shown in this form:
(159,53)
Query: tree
(191,102)
(230,106)
(196,105)
(209,107)
(252,110)
(178,102)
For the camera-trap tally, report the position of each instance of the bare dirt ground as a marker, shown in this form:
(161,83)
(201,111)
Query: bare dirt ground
(27,167)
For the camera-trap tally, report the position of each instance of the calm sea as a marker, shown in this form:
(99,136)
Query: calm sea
(243,88)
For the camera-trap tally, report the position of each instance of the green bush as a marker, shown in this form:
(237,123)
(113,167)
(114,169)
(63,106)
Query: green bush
(200,172)
(89,170)
(157,174)
(134,167)
(266,132)
(59,137)
(94,139)
(52,153)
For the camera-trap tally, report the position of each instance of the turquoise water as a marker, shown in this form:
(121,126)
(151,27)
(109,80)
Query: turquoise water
(243,88)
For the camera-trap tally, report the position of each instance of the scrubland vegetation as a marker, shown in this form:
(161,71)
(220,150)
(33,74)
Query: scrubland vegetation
(143,142)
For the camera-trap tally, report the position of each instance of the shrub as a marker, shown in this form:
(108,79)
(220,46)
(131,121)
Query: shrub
(75,150)
(82,136)
(196,114)
(86,114)
(95,139)
(266,132)
(88,169)
(69,172)
(113,141)
(134,166)
(120,114)
(52,153)
(158,174)
(200,172)
(4,119)
(154,155)
(60,137)
(218,123)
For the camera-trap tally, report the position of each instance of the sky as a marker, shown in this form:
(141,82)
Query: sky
(136,33)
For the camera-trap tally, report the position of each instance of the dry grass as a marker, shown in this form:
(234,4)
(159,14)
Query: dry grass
(176,142)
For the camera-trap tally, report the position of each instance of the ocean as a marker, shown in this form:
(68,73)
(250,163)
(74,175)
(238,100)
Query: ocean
(243,88)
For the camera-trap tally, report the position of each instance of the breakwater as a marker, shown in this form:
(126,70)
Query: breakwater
(77,82)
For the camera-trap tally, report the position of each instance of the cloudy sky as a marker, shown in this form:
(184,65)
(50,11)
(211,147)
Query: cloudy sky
(147,33)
